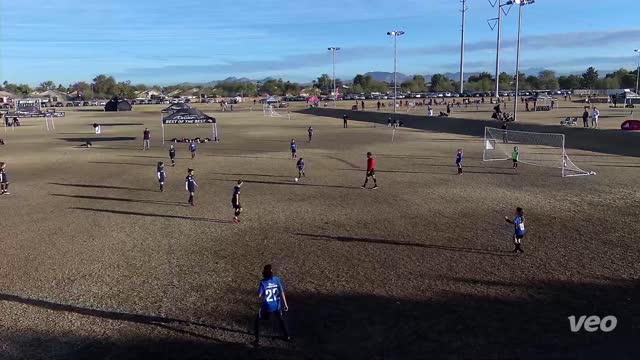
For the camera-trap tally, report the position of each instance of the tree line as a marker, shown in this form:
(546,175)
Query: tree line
(104,86)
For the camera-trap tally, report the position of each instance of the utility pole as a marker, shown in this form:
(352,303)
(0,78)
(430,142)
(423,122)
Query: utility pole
(395,35)
(464,11)
(333,57)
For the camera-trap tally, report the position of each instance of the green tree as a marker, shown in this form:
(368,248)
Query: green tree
(547,80)
(589,78)
(569,82)
(105,86)
(480,77)
(324,83)
(47,85)
(440,83)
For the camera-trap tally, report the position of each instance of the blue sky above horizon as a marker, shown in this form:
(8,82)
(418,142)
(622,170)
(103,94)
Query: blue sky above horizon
(163,42)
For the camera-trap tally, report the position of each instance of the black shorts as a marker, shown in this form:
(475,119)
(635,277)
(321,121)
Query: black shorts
(236,206)
(515,161)
(293,151)
(371,173)
(519,237)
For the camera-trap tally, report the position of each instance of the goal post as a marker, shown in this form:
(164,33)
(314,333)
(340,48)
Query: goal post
(269,111)
(538,149)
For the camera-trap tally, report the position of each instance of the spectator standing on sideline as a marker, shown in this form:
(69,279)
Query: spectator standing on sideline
(310,132)
(146,139)
(585,118)
(362,102)
(344,121)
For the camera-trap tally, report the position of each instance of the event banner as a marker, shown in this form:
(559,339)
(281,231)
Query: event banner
(187,120)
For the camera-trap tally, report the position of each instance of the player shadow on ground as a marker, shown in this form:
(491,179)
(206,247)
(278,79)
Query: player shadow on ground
(99,139)
(453,172)
(134,213)
(92,186)
(119,163)
(292,183)
(118,124)
(263,175)
(155,202)
(179,326)
(347,239)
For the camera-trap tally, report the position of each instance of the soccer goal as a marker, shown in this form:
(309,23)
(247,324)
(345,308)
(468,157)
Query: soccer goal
(538,149)
(268,110)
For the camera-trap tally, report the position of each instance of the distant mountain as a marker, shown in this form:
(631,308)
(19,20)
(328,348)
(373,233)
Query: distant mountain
(387,76)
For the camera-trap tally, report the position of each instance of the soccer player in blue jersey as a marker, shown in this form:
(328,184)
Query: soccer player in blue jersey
(459,161)
(273,302)
(294,149)
(300,165)
(172,155)
(161,175)
(192,148)
(519,231)
(235,202)
(4,180)
(191,185)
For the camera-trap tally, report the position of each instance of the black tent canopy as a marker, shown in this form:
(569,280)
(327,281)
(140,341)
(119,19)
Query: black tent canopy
(176,107)
(117,104)
(190,116)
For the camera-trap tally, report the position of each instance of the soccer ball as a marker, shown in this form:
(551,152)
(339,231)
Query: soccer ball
(295,179)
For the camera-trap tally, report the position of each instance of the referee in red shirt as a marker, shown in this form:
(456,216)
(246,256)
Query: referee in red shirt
(371,171)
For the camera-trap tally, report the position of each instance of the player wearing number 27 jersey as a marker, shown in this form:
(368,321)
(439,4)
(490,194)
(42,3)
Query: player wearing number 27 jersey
(273,302)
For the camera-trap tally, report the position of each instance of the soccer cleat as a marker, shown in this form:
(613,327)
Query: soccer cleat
(6,193)
(375,187)
(363,186)
(236,220)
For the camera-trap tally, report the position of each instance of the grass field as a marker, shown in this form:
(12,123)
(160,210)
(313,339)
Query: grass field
(96,263)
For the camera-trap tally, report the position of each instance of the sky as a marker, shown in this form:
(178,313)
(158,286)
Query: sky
(163,42)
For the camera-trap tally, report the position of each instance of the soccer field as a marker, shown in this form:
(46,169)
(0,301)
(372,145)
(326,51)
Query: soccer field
(95,262)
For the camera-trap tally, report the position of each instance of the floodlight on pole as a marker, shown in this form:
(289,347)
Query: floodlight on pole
(637,70)
(333,57)
(521,4)
(395,35)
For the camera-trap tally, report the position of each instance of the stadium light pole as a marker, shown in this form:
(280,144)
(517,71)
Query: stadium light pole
(498,20)
(395,35)
(521,4)
(464,11)
(637,70)
(333,57)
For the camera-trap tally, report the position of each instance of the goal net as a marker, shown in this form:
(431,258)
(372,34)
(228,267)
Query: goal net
(539,149)
(268,110)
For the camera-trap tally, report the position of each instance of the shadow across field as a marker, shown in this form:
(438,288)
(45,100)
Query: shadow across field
(290,183)
(135,213)
(119,163)
(464,320)
(159,321)
(610,141)
(105,198)
(347,239)
(94,186)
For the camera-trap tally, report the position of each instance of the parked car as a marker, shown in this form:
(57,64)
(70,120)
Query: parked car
(86,103)
(69,104)
(59,104)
